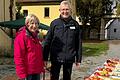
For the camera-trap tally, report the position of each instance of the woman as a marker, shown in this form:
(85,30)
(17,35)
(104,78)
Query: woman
(28,50)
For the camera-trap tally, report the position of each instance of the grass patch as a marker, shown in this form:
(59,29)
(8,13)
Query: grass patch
(94,48)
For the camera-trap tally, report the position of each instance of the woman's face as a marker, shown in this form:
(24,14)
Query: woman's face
(33,25)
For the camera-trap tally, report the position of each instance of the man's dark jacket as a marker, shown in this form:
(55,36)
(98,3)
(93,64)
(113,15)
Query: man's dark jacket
(63,41)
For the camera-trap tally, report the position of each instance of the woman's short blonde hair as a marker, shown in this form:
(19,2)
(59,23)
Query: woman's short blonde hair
(30,17)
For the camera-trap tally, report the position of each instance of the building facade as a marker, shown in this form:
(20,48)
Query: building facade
(112,30)
(45,10)
(5,40)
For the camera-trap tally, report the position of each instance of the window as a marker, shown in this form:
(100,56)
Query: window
(46,12)
(25,13)
(115,30)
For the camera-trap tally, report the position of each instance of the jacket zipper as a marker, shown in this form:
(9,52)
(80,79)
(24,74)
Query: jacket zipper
(66,43)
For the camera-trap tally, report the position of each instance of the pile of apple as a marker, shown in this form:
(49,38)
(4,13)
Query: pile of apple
(93,78)
(104,72)
(99,74)
(111,63)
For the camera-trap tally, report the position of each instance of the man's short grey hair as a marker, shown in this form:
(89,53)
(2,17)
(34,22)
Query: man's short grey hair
(65,3)
(30,17)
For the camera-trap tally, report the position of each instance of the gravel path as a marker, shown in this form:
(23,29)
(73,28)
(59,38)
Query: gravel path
(88,65)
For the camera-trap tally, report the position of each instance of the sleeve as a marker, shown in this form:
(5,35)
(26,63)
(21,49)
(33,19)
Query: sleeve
(19,57)
(47,42)
(78,44)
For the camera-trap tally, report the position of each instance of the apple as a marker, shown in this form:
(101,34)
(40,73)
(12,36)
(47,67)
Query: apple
(97,74)
(108,69)
(100,69)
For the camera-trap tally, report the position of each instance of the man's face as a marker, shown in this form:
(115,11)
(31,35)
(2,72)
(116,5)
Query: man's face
(65,11)
(33,25)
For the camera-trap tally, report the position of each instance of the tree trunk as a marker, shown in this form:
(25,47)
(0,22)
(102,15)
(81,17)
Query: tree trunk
(102,29)
(73,6)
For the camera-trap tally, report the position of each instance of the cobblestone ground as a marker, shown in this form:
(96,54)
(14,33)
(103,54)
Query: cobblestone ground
(88,65)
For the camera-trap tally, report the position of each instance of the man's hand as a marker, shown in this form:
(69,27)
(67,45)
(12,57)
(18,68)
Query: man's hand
(47,66)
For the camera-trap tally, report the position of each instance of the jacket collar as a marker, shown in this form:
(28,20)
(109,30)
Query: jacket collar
(28,33)
(67,20)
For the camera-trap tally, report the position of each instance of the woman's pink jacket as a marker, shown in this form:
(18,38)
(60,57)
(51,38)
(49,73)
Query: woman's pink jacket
(27,54)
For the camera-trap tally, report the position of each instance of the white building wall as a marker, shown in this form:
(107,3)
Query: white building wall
(114,30)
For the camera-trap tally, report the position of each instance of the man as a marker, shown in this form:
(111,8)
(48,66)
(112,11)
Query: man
(63,42)
(28,50)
